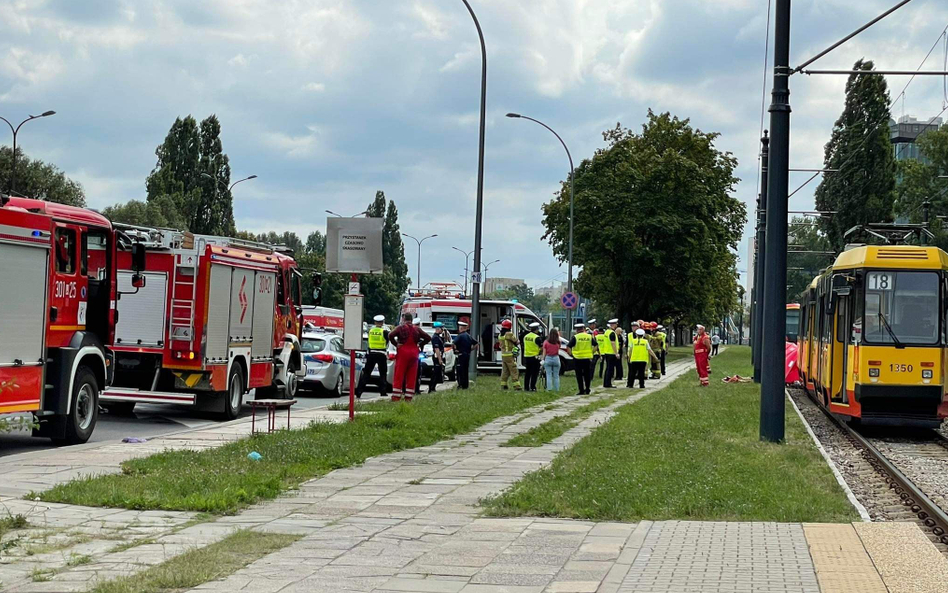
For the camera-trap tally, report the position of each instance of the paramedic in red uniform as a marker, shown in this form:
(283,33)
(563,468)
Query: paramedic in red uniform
(409,340)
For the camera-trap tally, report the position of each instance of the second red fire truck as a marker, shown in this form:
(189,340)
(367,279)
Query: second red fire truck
(214,318)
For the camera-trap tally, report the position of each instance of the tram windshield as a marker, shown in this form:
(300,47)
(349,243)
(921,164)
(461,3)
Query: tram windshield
(901,307)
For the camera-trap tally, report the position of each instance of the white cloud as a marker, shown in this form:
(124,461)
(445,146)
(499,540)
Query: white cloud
(315,87)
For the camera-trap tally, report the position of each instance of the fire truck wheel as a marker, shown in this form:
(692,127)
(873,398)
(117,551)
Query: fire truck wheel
(83,409)
(234,396)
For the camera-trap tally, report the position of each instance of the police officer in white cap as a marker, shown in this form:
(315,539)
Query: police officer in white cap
(378,357)
(581,349)
(609,351)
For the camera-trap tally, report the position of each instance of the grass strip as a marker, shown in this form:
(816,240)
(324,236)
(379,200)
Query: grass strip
(223,480)
(201,565)
(689,453)
(554,427)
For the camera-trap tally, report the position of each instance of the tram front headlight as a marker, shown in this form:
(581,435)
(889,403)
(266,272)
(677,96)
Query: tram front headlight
(873,372)
(927,374)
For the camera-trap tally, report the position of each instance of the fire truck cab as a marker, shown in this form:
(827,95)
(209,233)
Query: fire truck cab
(57,295)
(214,318)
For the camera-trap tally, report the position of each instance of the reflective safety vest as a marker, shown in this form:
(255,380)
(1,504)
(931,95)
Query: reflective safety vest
(638,350)
(605,343)
(664,337)
(530,348)
(509,345)
(377,339)
(583,350)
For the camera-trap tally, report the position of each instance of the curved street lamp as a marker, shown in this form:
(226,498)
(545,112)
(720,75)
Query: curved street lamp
(479,212)
(467,256)
(419,241)
(15,131)
(569,277)
(487,265)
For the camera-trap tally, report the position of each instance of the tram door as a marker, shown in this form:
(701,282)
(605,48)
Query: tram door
(841,341)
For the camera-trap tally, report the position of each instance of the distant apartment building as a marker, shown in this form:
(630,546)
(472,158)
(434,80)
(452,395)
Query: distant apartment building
(498,284)
(905,133)
(553,292)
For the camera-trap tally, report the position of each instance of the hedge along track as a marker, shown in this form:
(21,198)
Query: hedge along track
(927,513)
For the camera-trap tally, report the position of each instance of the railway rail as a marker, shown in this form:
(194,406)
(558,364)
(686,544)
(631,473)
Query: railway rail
(927,512)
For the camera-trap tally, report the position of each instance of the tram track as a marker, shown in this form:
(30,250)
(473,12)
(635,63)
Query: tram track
(916,504)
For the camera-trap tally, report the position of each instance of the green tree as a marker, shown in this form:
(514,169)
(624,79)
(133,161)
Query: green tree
(655,223)
(188,152)
(863,190)
(802,268)
(159,212)
(36,179)
(384,292)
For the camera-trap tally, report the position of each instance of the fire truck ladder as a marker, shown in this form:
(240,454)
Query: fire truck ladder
(182,309)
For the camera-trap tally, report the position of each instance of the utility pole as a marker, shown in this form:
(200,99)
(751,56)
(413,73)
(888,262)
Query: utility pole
(773,352)
(760,267)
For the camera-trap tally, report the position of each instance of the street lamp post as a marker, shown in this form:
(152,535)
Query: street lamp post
(479,213)
(467,257)
(419,241)
(218,184)
(15,131)
(569,277)
(487,265)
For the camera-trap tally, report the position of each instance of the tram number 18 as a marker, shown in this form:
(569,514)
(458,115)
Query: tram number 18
(879,281)
(901,368)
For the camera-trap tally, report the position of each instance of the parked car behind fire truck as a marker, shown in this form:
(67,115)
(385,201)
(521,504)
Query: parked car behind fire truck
(57,295)
(216,317)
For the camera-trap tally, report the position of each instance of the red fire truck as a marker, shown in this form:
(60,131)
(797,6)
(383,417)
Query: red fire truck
(57,299)
(214,318)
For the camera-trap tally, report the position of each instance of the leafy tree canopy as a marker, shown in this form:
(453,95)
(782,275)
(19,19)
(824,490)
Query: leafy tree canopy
(39,180)
(863,191)
(655,223)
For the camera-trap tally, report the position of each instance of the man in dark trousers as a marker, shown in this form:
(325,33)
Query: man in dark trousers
(437,357)
(378,357)
(532,346)
(581,349)
(464,345)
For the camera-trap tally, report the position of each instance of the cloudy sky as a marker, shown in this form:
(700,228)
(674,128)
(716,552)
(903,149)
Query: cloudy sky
(329,100)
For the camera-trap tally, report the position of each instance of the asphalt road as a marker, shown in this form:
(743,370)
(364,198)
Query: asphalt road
(153,420)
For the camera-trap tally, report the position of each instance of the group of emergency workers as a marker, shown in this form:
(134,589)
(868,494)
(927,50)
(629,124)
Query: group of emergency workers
(644,346)
(645,342)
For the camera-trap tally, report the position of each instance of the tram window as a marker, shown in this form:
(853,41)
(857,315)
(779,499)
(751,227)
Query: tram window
(841,306)
(904,304)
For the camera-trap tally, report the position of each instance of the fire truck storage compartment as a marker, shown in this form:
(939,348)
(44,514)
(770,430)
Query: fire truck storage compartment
(236,294)
(22,302)
(141,320)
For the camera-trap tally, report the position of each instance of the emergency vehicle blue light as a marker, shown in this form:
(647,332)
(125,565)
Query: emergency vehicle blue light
(37,234)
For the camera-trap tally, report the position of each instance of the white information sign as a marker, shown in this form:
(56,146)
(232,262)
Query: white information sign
(354,245)
(352,333)
(354,288)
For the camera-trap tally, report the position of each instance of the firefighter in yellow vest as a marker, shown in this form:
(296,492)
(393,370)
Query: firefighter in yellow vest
(639,353)
(531,357)
(655,343)
(581,349)
(378,357)
(509,353)
(664,351)
(609,351)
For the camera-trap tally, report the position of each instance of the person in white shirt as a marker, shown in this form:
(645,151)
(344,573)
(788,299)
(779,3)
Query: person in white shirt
(715,342)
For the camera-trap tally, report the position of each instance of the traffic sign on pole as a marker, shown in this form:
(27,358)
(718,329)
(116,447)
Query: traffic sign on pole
(569,300)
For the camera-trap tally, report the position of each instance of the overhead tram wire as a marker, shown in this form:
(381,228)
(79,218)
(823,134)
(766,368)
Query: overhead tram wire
(891,105)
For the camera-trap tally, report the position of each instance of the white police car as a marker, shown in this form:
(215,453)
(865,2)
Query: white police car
(327,363)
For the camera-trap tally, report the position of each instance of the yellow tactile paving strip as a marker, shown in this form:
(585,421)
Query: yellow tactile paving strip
(841,562)
(904,556)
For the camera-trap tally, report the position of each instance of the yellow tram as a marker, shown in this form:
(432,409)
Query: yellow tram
(872,335)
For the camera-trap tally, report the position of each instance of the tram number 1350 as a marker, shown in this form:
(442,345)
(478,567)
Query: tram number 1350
(901,368)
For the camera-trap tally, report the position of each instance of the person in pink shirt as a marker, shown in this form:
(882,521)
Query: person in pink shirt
(551,360)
